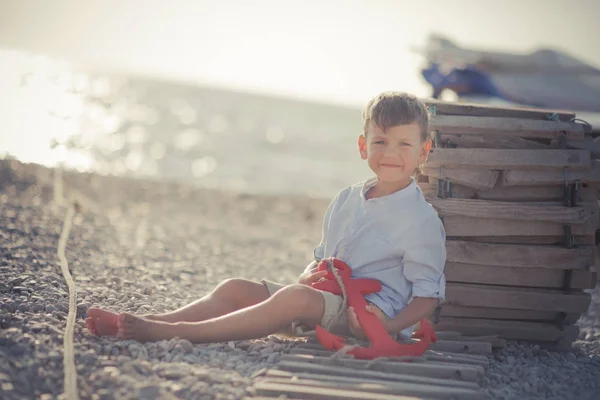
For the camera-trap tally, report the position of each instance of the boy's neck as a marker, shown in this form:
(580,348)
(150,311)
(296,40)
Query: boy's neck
(381,189)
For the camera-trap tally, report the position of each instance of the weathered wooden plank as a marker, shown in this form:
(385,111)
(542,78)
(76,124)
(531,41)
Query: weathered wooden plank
(440,346)
(478,359)
(437,355)
(470,226)
(514,330)
(321,387)
(479,110)
(519,276)
(492,142)
(511,127)
(387,379)
(499,193)
(517,255)
(476,178)
(556,240)
(477,226)
(447,335)
(299,392)
(299,367)
(502,159)
(450,310)
(462,347)
(495,341)
(510,211)
(586,144)
(516,298)
(312,346)
(445,371)
(543,178)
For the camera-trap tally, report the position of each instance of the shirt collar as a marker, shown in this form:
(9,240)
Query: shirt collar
(411,188)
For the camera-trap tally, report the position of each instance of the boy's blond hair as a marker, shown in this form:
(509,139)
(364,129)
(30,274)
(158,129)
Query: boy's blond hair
(396,108)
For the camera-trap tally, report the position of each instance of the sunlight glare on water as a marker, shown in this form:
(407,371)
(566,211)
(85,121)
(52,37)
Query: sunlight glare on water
(40,106)
(55,115)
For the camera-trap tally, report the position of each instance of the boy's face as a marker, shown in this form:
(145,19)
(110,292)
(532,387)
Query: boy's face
(394,154)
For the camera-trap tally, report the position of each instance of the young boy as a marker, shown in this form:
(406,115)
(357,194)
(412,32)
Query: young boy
(382,228)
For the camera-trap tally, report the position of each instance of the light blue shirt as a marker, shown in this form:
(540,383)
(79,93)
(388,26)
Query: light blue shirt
(397,239)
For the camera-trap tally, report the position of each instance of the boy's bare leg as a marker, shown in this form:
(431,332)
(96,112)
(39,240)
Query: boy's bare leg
(230,295)
(292,303)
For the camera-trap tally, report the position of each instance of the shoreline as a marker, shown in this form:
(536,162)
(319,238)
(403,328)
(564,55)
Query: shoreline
(144,246)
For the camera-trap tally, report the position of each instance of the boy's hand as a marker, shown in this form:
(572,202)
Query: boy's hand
(311,276)
(355,326)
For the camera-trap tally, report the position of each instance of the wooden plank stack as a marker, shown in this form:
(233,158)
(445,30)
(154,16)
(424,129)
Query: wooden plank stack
(516,190)
(451,369)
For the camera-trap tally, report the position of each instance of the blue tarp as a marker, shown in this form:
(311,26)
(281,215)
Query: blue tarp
(545,78)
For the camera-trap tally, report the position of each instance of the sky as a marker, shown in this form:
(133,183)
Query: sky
(341,51)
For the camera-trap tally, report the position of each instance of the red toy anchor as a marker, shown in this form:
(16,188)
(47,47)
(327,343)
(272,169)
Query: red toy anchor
(382,344)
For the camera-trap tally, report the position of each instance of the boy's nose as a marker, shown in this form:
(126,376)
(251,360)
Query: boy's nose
(390,151)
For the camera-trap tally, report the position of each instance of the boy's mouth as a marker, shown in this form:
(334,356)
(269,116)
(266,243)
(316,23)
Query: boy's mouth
(390,165)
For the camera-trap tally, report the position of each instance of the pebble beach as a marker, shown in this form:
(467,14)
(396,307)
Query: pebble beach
(142,246)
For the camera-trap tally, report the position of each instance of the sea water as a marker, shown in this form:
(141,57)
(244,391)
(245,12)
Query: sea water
(56,115)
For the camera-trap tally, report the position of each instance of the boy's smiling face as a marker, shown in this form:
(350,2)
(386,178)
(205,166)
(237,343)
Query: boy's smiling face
(394,154)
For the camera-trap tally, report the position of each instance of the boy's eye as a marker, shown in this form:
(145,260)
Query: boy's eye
(379,142)
(405,144)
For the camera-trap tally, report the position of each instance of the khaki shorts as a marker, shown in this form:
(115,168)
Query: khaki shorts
(333,320)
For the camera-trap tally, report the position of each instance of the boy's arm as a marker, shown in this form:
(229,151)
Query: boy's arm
(418,308)
(319,251)
(424,261)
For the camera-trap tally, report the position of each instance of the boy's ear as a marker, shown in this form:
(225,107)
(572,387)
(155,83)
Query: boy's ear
(362,147)
(425,148)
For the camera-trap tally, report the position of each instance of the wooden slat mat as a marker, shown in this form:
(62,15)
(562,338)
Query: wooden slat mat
(450,369)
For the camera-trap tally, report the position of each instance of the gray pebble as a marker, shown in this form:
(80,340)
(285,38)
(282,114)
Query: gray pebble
(266,351)
(89,357)
(59,315)
(279,347)
(23,307)
(273,357)
(187,346)
(149,392)
(54,355)
(121,359)
(8,307)
(174,372)
(17,350)
(16,281)
(50,308)
(20,289)
(177,349)
(37,308)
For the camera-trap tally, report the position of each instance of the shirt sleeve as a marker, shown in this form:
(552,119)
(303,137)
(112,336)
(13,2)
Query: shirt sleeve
(319,251)
(424,259)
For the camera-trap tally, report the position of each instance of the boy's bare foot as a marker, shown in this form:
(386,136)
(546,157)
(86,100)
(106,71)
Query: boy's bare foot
(143,330)
(101,322)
